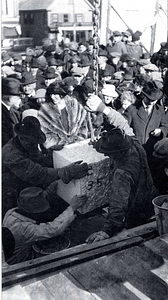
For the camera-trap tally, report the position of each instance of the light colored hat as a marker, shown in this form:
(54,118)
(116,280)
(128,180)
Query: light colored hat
(78,71)
(151,67)
(109,90)
(40,93)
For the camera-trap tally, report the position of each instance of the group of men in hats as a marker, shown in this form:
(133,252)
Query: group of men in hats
(132,135)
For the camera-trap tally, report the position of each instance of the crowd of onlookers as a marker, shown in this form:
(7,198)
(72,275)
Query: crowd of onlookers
(45,106)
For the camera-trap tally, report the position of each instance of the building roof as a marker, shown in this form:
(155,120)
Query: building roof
(34,4)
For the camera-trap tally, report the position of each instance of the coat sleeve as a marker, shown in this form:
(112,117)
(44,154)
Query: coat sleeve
(164,123)
(32,232)
(116,119)
(28,171)
(121,187)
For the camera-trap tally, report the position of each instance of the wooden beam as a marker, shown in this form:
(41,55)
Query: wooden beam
(78,254)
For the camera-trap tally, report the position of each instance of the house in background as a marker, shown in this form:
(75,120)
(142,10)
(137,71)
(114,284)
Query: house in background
(42,19)
(10,27)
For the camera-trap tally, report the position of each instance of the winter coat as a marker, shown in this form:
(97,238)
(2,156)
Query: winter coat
(21,169)
(26,231)
(132,191)
(65,129)
(134,50)
(143,124)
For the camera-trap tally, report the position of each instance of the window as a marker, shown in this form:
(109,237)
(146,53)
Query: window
(65,18)
(54,18)
(28,18)
(79,18)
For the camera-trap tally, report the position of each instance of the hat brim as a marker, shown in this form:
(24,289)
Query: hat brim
(43,207)
(127,144)
(155,154)
(155,96)
(29,82)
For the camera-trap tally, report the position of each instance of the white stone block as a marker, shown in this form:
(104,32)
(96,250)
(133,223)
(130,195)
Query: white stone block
(96,186)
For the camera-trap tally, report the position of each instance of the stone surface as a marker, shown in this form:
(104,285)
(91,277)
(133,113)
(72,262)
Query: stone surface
(95,186)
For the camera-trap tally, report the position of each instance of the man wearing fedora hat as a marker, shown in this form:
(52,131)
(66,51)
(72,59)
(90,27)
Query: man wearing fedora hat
(148,119)
(28,83)
(51,76)
(24,164)
(11,102)
(132,188)
(27,221)
(104,65)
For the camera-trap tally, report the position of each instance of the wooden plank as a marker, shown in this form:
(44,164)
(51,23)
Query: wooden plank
(143,231)
(37,291)
(64,288)
(107,276)
(158,246)
(16,292)
(67,262)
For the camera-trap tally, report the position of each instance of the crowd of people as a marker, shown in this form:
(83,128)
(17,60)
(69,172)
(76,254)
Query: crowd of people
(48,101)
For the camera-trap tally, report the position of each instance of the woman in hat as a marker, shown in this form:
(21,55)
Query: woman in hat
(127,98)
(27,222)
(62,117)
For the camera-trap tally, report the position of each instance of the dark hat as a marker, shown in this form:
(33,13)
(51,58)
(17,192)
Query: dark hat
(50,48)
(135,37)
(114,141)
(33,200)
(151,91)
(10,86)
(102,53)
(127,87)
(161,148)
(5,56)
(116,33)
(56,89)
(146,55)
(50,73)
(128,75)
(27,78)
(69,81)
(91,41)
(16,56)
(164,46)
(29,129)
(52,62)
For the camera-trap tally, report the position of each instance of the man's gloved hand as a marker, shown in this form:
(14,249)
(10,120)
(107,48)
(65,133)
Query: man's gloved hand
(78,201)
(75,170)
(97,236)
(94,103)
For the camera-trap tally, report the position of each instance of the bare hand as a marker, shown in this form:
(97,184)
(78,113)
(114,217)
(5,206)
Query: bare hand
(97,236)
(156,132)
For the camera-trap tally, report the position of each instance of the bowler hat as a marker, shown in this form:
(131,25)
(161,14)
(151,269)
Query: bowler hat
(151,91)
(116,33)
(33,200)
(29,129)
(164,46)
(114,141)
(10,86)
(50,73)
(136,36)
(102,53)
(52,62)
(27,78)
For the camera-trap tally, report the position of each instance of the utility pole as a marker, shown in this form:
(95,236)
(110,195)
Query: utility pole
(153,29)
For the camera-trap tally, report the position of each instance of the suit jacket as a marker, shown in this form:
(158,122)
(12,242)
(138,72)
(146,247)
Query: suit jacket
(8,122)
